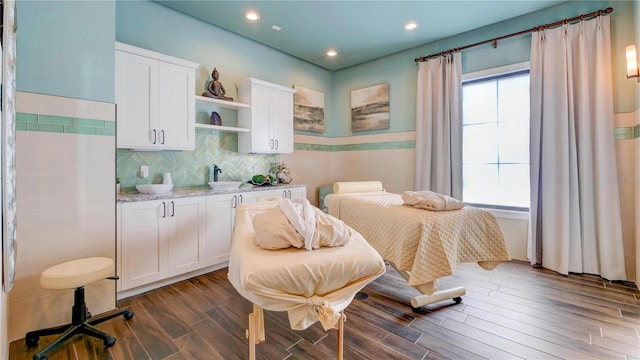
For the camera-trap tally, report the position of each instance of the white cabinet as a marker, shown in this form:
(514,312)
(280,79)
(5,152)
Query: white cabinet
(155,100)
(269,117)
(220,214)
(160,239)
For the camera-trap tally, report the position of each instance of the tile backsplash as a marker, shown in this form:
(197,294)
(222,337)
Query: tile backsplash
(192,168)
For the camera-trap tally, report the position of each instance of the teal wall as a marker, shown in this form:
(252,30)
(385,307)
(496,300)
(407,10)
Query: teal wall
(146,24)
(65,48)
(400,70)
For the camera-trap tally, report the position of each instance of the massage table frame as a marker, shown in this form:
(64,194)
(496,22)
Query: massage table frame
(255,334)
(417,302)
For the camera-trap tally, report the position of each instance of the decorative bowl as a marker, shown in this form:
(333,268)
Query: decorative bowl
(225,185)
(264,183)
(154,188)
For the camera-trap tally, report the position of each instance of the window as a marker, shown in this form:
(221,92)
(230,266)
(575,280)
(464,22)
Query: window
(495,140)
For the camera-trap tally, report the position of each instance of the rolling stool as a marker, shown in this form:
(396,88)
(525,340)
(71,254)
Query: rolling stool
(76,274)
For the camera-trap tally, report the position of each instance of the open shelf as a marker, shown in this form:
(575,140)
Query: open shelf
(222,128)
(221,103)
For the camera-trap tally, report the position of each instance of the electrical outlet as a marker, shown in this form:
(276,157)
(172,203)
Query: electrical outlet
(144,171)
(256,169)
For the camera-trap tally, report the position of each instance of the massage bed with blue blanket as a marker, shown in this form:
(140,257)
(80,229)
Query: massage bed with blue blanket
(423,245)
(313,282)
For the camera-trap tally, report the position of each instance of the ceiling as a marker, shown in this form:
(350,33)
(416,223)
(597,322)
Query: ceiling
(359,30)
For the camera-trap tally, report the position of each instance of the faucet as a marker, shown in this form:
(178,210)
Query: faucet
(216,170)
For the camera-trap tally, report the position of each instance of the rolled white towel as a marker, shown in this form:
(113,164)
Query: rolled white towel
(344,187)
(430,200)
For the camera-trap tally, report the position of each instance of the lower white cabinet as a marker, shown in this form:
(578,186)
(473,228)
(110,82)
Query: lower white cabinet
(160,239)
(220,214)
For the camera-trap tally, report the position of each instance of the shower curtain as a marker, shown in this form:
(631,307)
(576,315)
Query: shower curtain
(575,223)
(439,126)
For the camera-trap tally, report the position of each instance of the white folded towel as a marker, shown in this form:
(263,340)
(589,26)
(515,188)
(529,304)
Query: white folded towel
(431,200)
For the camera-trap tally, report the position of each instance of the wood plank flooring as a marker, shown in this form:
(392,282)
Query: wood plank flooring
(512,312)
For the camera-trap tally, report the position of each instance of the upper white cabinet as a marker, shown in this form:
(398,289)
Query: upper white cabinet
(155,100)
(269,117)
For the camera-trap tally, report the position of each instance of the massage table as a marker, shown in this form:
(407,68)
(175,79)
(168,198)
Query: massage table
(311,285)
(422,245)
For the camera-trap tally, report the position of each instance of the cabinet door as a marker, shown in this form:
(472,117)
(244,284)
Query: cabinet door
(262,140)
(144,243)
(176,107)
(220,214)
(297,193)
(136,98)
(187,234)
(282,122)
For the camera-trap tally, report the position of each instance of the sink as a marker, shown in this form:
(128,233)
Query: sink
(225,185)
(154,188)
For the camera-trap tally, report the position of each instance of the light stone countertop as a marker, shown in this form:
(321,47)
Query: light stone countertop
(133,196)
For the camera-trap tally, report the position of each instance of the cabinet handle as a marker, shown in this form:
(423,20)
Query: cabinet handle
(284,194)
(154,136)
(173,209)
(234,202)
(164,210)
(276,144)
(241,199)
(162,131)
(271,144)
(289,191)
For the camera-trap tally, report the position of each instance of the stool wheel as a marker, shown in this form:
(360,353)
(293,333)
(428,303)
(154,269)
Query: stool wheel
(36,357)
(31,340)
(109,342)
(128,314)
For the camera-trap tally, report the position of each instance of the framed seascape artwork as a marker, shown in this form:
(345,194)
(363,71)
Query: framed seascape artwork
(370,108)
(308,110)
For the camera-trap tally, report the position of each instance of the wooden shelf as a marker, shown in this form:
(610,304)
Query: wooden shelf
(221,103)
(222,128)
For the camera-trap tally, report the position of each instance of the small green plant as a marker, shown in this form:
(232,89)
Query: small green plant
(117,179)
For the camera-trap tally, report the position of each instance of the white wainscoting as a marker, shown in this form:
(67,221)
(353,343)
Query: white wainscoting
(65,210)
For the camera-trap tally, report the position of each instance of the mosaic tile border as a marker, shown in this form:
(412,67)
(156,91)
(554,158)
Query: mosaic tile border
(64,125)
(628,132)
(392,145)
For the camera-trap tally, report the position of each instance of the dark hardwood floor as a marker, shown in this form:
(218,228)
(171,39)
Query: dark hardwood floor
(512,312)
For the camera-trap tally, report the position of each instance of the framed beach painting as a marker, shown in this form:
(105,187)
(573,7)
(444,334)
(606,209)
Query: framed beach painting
(370,108)
(308,110)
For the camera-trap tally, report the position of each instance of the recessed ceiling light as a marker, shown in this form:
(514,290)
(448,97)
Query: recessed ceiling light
(332,52)
(276,28)
(252,15)
(411,25)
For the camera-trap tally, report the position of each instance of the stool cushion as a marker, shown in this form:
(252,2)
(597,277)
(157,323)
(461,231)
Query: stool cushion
(76,273)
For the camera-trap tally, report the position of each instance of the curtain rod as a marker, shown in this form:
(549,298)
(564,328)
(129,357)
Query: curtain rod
(537,28)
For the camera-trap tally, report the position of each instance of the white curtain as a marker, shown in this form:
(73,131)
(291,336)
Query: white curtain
(575,206)
(439,126)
